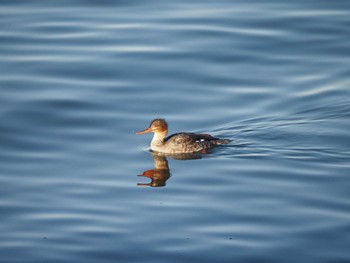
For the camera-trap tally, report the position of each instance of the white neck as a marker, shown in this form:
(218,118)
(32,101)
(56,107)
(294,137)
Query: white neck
(157,140)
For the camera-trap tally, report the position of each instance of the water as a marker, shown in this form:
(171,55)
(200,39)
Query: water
(77,80)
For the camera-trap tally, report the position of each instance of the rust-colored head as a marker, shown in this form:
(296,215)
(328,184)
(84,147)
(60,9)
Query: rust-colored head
(156,126)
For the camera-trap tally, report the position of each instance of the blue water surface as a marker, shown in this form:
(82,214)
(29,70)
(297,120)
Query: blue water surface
(79,78)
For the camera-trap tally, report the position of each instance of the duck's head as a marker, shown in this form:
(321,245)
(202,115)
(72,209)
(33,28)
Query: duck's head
(157,126)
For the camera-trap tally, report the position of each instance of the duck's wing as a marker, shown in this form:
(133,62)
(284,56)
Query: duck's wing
(189,138)
(196,142)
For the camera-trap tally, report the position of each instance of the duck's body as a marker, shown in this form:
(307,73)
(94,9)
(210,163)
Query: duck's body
(182,142)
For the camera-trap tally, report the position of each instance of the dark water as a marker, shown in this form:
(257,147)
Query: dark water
(78,78)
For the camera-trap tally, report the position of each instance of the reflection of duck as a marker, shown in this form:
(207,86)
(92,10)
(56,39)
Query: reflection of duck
(160,174)
(179,142)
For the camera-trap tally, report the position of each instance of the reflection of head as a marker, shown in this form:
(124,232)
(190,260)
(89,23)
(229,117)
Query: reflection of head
(158,177)
(160,174)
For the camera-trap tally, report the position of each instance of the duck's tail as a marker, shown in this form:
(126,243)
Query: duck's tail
(221,141)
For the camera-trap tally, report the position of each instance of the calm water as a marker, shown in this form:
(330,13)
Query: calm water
(77,80)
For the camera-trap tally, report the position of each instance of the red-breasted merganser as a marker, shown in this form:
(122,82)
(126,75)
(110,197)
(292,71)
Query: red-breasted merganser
(182,142)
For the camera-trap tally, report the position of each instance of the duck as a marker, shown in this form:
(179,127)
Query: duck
(182,142)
